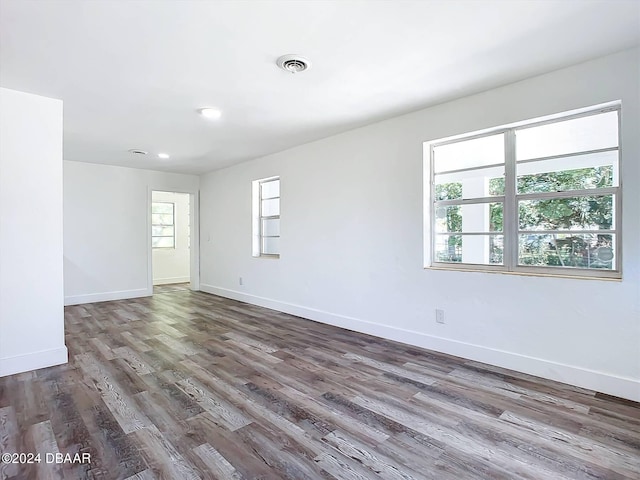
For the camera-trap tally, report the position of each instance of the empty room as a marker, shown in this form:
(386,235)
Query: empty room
(320,239)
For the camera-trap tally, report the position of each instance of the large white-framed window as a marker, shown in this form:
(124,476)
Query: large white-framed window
(163,227)
(266,217)
(537,197)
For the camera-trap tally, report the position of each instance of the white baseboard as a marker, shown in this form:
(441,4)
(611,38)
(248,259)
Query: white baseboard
(107,296)
(165,281)
(628,388)
(33,361)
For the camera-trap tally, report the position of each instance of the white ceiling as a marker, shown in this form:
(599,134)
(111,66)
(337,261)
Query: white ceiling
(133,73)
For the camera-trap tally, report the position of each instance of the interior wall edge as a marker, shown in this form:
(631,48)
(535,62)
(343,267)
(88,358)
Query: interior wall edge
(628,388)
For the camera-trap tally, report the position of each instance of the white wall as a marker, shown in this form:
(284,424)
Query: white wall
(172,265)
(31,310)
(354,257)
(107,230)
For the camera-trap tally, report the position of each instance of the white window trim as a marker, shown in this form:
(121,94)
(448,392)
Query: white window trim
(511,198)
(258,217)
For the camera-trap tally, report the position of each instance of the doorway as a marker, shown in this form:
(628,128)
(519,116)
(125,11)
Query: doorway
(171,241)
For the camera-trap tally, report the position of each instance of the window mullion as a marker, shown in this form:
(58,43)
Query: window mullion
(469,201)
(585,192)
(510,215)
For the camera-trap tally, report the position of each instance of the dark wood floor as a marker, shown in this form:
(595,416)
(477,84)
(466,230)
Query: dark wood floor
(171,287)
(190,385)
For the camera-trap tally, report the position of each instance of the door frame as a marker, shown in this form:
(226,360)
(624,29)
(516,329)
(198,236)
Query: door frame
(194,220)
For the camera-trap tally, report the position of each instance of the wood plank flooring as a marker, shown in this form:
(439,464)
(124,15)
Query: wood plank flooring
(189,385)
(171,287)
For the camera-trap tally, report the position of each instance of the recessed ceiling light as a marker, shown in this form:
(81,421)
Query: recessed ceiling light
(135,151)
(210,113)
(163,155)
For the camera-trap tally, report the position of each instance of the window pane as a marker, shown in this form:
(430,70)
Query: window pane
(568,136)
(496,185)
(271,189)
(271,227)
(571,251)
(158,207)
(158,231)
(571,213)
(162,242)
(271,245)
(447,191)
(271,207)
(480,217)
(598,170)
(485,182)
(474,249)
(161,219)
(469,153)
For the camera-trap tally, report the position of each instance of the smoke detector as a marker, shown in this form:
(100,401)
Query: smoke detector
(135,151)
(293,63)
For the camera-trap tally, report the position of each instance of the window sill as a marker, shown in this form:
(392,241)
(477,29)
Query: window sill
(524,274)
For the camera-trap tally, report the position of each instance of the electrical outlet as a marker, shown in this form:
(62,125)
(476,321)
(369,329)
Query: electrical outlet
(240,281)
(439,315)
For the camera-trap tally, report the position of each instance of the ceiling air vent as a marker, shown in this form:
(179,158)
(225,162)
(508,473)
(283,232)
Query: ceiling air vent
(135,151)
(293,63)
